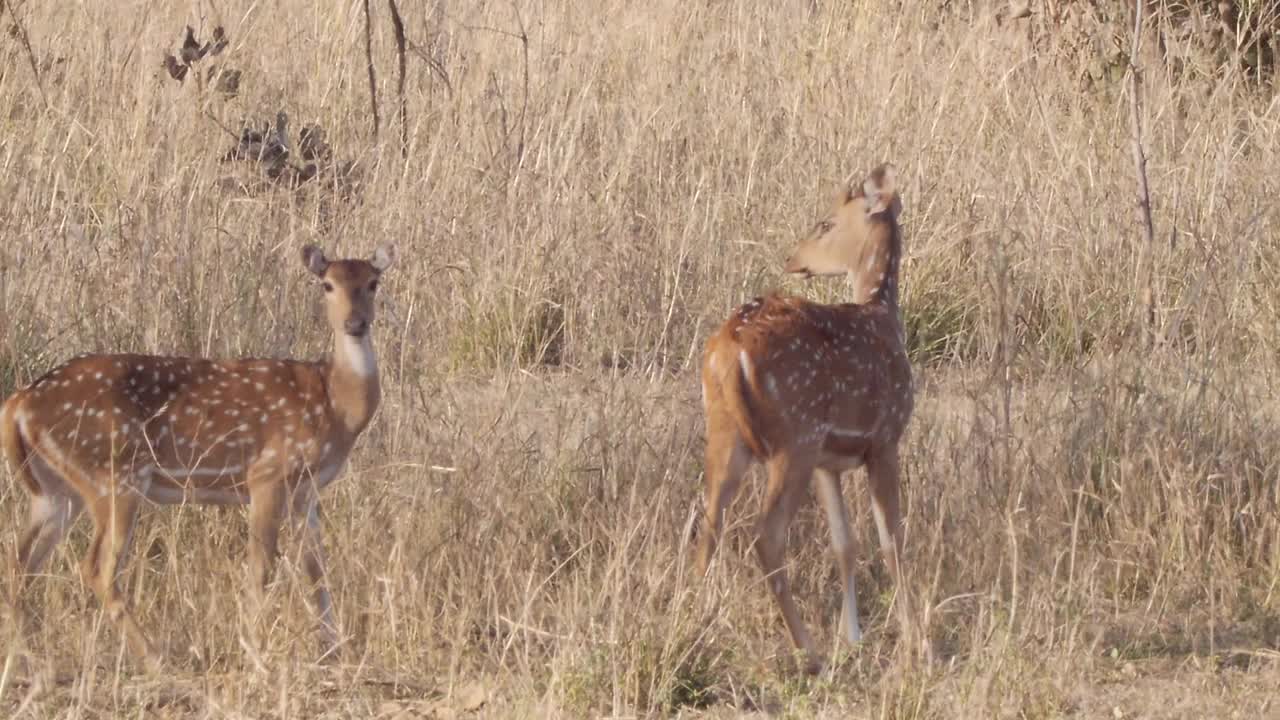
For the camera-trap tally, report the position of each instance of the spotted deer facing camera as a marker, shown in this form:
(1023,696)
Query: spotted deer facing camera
(812,390)
(111,432)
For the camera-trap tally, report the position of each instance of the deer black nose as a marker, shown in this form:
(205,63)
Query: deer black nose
(357,326)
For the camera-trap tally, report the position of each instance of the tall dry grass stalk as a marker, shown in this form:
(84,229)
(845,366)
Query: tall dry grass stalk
(1092,526)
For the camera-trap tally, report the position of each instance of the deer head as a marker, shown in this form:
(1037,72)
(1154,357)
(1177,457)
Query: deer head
(858,237)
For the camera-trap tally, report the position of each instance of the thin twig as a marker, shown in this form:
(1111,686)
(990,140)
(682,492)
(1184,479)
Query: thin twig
(524,100)
(373,78)
(26,43)
(484,28)
(208,115)
(507,130)
(434,64)
(398,25)
(1140,166)
(437,67)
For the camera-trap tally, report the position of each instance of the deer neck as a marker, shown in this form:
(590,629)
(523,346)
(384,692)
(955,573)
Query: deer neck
(874,275)
(354,389)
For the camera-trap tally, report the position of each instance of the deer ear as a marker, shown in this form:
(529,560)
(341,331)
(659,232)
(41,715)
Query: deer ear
(314,259)
(881,191)
(383,257)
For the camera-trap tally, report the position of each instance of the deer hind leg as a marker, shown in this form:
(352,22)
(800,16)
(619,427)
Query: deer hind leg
(883,474)
(788,483)
(842,545)
(114,517)
(50,517)
(53,511)
(727,460)
(306,518)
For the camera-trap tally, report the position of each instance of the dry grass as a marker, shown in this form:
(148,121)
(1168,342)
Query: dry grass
(1092,526)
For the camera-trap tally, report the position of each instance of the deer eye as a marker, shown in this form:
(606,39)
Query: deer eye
(328,286)
(825,226)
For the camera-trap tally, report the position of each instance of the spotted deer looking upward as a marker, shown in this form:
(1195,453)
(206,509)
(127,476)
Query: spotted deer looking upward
(812,390)
(111,432)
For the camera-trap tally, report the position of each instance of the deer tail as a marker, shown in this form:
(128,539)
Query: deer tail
(742,396)
(15,444)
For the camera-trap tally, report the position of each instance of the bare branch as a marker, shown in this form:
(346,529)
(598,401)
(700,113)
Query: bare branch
(436,66)
(524,98)
(398,24)
(26,44)
(373,79)
(1140,167)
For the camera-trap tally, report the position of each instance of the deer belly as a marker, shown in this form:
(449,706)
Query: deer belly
(844,443)
(200,485)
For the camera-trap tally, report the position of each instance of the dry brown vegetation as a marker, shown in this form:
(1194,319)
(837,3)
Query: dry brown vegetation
(1092,523)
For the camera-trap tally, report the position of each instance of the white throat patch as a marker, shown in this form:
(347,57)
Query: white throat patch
(357,355)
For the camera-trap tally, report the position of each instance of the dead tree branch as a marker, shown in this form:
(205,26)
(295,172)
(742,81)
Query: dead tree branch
(435,65)
(373,78)
(524,95)
(398,24)
(26,44)
(1147,272)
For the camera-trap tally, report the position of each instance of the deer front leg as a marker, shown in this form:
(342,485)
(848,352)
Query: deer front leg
(884,474)
(266,503)
(307,516)
(828,483)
